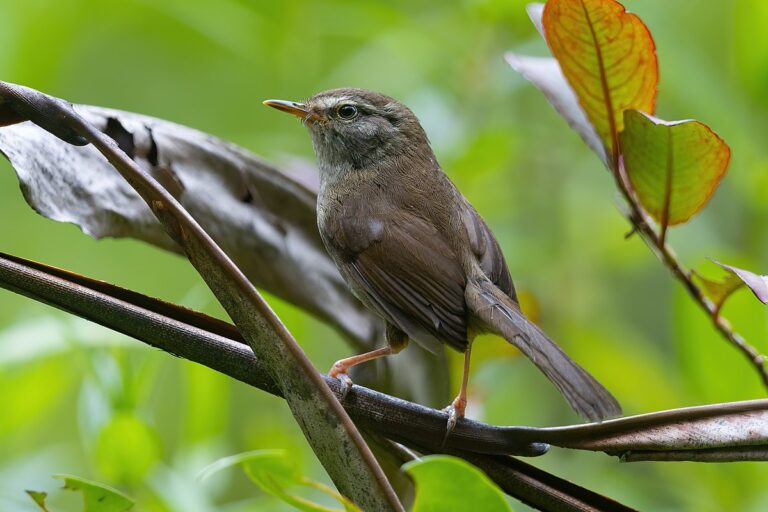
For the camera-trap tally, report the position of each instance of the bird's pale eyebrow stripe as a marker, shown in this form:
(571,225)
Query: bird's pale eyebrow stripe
(332,101)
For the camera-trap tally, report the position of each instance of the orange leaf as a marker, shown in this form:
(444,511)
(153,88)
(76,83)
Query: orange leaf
(609,59)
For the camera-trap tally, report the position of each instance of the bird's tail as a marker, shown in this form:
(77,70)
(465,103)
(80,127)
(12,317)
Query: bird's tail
(502,316)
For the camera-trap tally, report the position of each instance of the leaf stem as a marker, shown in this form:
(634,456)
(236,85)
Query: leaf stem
(639,220)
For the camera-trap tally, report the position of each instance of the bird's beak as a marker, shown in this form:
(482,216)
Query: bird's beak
(298,109)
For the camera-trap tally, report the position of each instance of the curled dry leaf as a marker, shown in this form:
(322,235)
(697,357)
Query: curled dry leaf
(263,219)
(757,283)
(608,57)
(674,167)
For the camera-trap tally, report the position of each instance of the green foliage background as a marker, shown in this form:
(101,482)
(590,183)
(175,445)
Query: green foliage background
(75,398)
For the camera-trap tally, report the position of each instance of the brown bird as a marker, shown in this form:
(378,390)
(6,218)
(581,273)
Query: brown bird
(413,249)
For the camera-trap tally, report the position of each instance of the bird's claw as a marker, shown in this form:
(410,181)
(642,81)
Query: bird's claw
(453,418)
(343,377)
(346,384)
(454,411)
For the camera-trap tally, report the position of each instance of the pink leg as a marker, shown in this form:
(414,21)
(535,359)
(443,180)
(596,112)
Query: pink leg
(396,341)
(459,405)
(342,366)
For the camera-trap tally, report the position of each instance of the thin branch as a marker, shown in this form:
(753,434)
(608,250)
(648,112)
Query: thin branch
(640,222)
(331,433)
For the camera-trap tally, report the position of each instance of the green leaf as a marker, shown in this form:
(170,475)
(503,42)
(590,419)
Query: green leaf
(449,483)
(757,283)
(97,497)
(718,291)
(273,471)
(674,167)
(127,448)
(39,498)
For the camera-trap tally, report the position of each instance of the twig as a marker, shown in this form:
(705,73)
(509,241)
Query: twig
(640,222)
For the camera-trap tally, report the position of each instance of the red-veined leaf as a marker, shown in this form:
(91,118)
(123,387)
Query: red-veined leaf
(674,167)
(609,59)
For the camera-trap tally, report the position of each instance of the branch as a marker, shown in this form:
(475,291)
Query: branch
(723,432)
(219,346)
(326,425)
(640,222)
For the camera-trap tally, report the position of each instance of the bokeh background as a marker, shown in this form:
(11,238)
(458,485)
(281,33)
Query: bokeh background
(76,398)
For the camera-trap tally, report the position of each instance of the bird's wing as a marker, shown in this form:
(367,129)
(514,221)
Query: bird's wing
(413,277)
(487,251)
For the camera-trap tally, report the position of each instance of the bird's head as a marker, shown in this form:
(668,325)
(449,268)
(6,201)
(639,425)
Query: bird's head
(357,129)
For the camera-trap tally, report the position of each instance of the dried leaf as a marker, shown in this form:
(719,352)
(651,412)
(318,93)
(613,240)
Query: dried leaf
(263,219)
(674,167)
(609,59)
(757,283)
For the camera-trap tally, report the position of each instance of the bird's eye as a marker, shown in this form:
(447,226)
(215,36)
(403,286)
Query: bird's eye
(347,111)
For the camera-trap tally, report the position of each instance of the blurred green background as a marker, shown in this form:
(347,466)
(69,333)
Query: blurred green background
(76,398)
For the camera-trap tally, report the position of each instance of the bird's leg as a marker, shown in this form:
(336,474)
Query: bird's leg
(459,405)
(396,341)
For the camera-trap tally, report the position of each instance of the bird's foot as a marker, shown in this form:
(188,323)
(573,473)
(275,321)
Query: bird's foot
(339,371)
(455,411)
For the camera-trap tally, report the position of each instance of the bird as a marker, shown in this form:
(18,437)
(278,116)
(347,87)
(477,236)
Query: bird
(413,250)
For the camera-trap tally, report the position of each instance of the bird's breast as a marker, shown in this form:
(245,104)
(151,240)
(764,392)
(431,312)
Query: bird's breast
(350,221)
